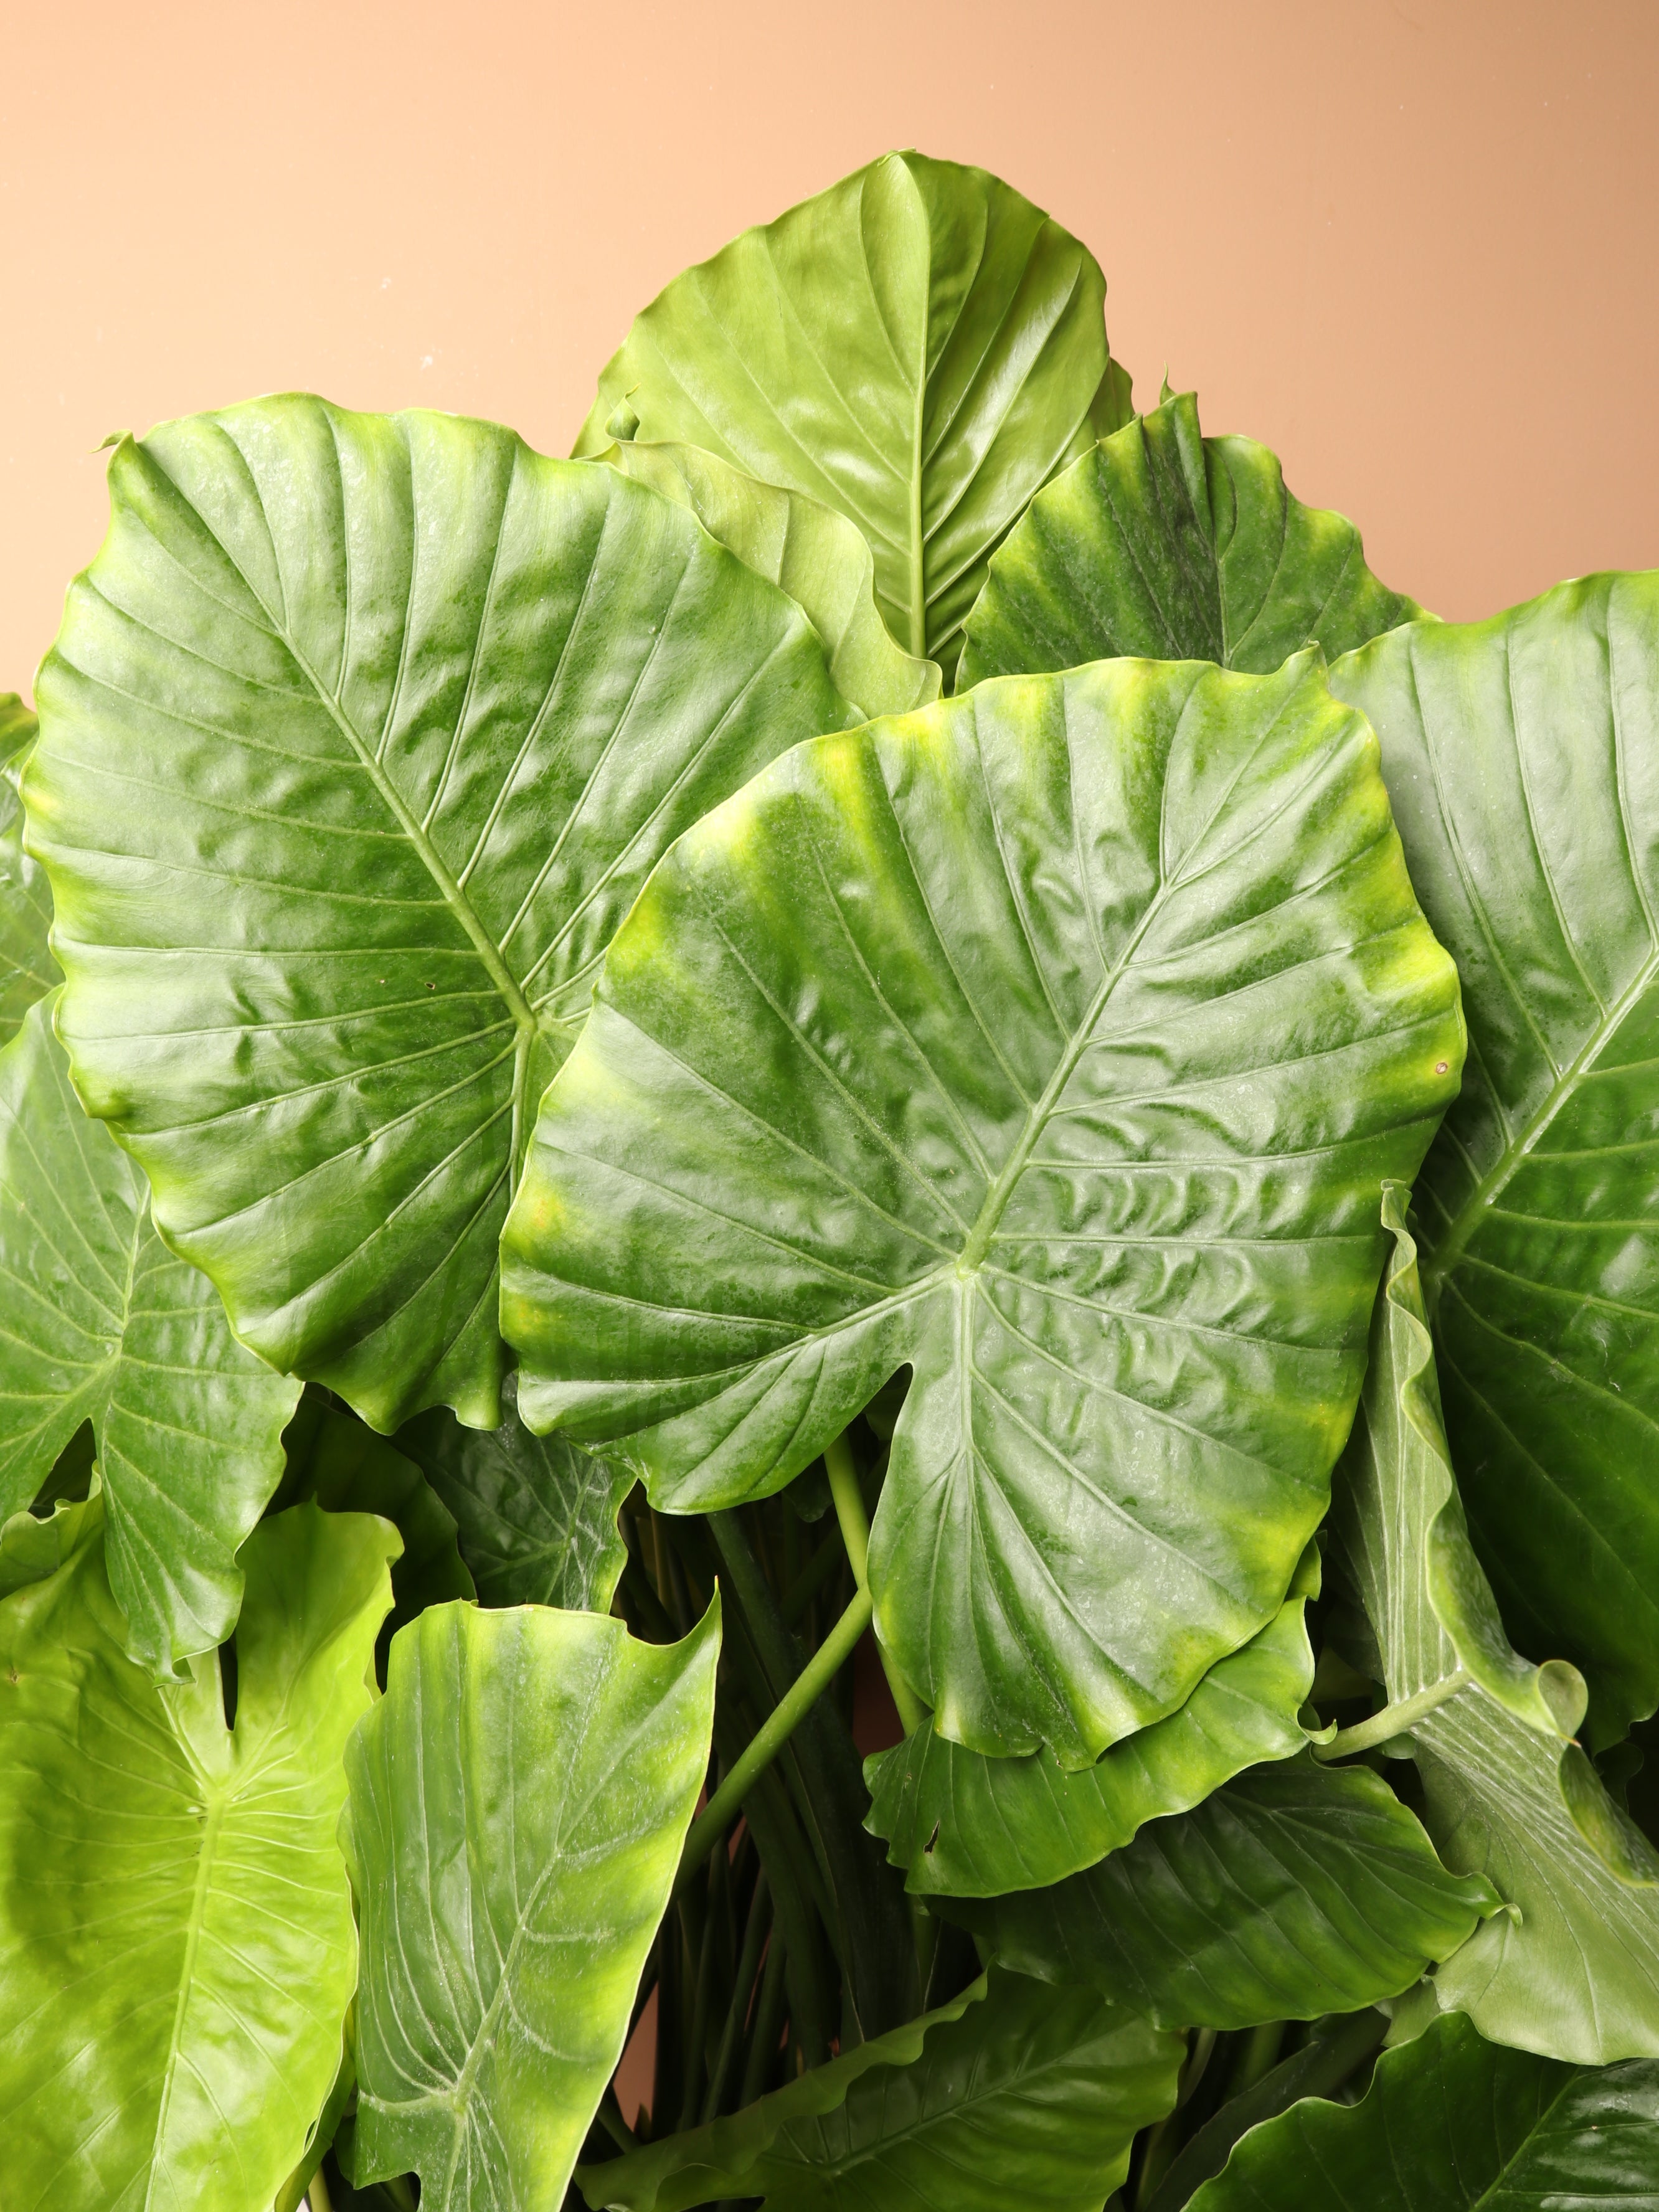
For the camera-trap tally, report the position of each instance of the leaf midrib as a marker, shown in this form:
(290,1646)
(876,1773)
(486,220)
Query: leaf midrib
(210,1836)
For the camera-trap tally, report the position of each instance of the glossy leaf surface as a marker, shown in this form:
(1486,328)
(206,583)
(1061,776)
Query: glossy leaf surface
(966,1826)
(1163,542)
(918,348)
(1452,2124)
(1575,1972)
(28,970)
(1054,1040)
(1522,757)
(519,1800)
(536,1516)
(807,549)
(176,1943)
(1015,2094)
(361,734)
(102,1323)
(1294,1891)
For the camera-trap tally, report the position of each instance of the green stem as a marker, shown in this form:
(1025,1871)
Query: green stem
(774,1733)
(611,2120)
(748,1965)
(769,2026)
(1392,1720)
(810,1581)
(855,1534)
(317,2196)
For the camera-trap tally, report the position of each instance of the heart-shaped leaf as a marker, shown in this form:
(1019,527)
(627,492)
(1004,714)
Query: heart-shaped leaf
(1452,2124)
(1522,757)
(1574,1972)
(1014,2094)
(1294,1891)
(966,1826)
(103,1324)
(1054,1040)
(519,1800)
(176,1943)
(918,348)
(28,970)
(1163,542)
(359,738)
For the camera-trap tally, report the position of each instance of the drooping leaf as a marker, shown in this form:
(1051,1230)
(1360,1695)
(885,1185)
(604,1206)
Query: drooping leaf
(28,970)
(1015,2094)
(33,1547)
(519,1800)
(809,551)
(1451,2124)
(1054,1040)
(361,734)
(966,1826)
(1574,1971)
(102,1323)
(1163,542)
(176,1943)
(1522,757)
(1295,1890)
(536,1516)
(918,348)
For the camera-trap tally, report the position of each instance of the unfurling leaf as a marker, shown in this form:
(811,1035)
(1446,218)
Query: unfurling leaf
(359,738)
(519,1800)
(1054,1040)
(176,1943)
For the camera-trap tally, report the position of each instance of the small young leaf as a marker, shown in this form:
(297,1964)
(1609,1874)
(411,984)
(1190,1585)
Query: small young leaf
(28,970)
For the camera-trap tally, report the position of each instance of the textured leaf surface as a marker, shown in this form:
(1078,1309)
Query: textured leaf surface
(807,549)
(1052,1041)
(100,1323)
(1522,757)
(1452,2124)
(1575,1972)
(1163,542)
(519,1800)
(1296,1890)
(176,1943)
(537,1515)
(359,738)
(1020,2095)
(967,1826)
(918,348)
(28,970)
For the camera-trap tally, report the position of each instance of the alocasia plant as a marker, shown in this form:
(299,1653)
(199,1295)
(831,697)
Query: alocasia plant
(815,1031)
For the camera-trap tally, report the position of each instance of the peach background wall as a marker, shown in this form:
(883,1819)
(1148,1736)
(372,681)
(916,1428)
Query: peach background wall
(1409,243)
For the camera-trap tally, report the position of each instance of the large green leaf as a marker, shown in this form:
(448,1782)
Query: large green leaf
(1014,2096)
(1574,1971)
(1163,542)
(100,1323)
(918,348)
(28,970)
(1054,1039)
(1452,2124)
(176,1943)
(537,1515)
(966,1826)
(1295,1890)
(809,551)
(359,736)
(1522,757)
(519,1800)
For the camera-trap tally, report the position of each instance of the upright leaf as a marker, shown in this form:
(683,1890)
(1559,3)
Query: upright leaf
(1163,542)
(1574,1970)
(176,1943)
(1452,2124)
(103,1324)
(28,970)
(1052,1041)
(519,1800)
(1014,2096)
(918,348)
(359,736)
(1522,757)
(1294,1891)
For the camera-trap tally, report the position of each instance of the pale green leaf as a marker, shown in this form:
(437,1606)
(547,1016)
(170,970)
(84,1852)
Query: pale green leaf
(28,970)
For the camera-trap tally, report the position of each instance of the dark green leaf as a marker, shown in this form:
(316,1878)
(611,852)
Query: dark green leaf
(28,970)
(359,736)
(1054,1040)
(1163,542)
